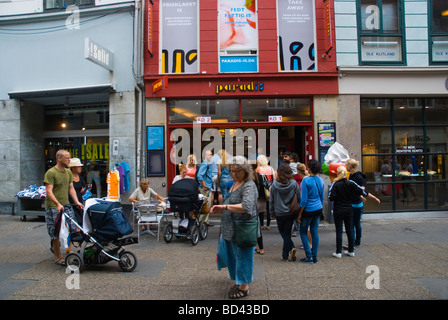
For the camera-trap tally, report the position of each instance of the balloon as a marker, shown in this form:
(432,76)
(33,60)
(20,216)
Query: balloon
(325,169)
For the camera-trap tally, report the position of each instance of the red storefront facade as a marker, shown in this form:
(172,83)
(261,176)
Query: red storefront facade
(262,81)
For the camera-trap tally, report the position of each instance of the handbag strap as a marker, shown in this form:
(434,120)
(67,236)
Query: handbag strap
(317,186)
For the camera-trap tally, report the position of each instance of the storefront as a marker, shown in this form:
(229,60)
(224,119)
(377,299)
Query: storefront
(83,130)
(70,86)
(269,121)
(405,152)
(246,72)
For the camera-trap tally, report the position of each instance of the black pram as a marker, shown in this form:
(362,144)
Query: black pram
(101,241)
(186,204)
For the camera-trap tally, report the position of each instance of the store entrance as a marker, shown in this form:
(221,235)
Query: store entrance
(93,153)
(248,141)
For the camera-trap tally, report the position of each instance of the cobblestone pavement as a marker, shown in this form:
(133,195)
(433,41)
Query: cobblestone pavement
(398,259)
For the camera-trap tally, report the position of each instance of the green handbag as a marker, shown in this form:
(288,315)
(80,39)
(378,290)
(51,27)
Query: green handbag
(246,232)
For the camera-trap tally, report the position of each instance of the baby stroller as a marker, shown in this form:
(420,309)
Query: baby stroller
(186,205)
(101,237)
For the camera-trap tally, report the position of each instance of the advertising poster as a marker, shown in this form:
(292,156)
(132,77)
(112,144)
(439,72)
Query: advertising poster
(238,35)
(296,35)
(179,36)
(327,134)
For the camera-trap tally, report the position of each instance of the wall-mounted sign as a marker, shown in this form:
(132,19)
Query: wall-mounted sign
(328,36)
(115,147)
(327,134)
(238,35)
(179,36)
(98,54)
(238,64)
(150,48)
(203,120)
(275,118)
(160,84)
(296,35)
(156,137)
(243,87)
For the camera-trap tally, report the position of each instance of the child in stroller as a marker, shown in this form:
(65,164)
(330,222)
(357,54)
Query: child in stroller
(101,239)
(186,203)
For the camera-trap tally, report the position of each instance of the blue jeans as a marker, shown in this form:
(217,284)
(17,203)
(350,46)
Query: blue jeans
(238,261)
(313,223)
(357,230)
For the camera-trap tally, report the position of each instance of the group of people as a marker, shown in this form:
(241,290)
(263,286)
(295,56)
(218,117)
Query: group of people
(243,193)
(347,194)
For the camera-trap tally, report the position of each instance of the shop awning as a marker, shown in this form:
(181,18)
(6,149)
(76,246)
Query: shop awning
(97,93)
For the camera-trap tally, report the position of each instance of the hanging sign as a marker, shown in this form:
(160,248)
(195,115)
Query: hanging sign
(160,84)
(98,54)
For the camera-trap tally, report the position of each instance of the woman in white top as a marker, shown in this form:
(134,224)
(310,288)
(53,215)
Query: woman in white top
(144,193)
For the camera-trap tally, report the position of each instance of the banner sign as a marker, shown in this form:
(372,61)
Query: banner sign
(179,25)
(238,35)
(296,35)
(238,64)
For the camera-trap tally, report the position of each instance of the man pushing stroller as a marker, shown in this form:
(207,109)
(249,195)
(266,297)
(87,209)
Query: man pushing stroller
(59,185)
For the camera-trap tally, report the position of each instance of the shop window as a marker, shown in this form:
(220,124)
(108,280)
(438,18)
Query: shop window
(380,31)
(205,111)
(179,36)
(93,153)
(408,111)
(438,29)
(63,4)
(375,111)
(275,110)
(405,155)
(238,35)
(436,111)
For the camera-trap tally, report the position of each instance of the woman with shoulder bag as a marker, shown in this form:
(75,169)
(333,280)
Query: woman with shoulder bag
(240,206)
(283,190)
(311,203)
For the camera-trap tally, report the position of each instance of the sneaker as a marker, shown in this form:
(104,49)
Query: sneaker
(314,259)
(292,254)
(351,254)
(337,255)
(307,260)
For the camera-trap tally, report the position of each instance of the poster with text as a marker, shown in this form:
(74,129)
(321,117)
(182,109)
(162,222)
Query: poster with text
(238,35)
(296,35)
(179,36)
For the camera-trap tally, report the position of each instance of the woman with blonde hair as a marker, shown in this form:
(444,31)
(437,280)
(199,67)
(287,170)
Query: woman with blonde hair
(357,201)
(341,192)
(264,172)
(191,166)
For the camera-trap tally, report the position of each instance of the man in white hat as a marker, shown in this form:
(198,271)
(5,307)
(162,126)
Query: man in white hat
(59,185)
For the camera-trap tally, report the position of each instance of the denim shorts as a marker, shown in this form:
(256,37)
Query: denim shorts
(53,224)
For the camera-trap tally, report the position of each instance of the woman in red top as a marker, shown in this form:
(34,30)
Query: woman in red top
(191,166)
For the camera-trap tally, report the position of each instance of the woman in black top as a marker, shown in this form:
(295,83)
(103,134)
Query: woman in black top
(341,192)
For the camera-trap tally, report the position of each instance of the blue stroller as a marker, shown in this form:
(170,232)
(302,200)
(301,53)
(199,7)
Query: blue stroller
(104,241)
